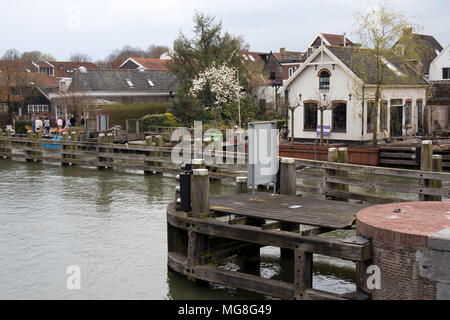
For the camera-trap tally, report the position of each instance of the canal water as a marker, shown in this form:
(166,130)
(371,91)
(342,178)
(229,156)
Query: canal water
(112,225)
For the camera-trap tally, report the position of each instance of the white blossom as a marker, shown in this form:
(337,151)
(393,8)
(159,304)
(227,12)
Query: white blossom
(222,81)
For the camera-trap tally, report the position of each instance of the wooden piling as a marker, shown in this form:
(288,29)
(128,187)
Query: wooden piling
(29,145)
(426,164)
(288,187)
(159,142)
(64,147)
(74,148)
(333,156)
(101,141)
(200,193)
(2,143)
(110,140)
(38,145)
(303,272)
(242,184)
(198,164)
(149,143)
(288,177)
(8,144)
(437,167)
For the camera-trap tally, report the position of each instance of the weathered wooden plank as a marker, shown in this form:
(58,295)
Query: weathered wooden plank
(313,294)
(281,239)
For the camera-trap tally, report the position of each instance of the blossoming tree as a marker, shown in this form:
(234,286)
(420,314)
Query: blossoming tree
(215,87)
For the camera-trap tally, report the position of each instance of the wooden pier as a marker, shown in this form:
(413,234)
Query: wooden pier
(238,225)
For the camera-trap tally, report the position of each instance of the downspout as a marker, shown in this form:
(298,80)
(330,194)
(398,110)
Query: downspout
(362,113)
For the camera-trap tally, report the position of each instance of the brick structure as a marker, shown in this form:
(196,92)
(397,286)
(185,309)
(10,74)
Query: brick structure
(411,246)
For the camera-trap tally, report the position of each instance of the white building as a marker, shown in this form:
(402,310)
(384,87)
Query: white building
(440,67)
(344,79)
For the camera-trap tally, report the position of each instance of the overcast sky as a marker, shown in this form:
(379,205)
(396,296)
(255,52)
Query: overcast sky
(97,27)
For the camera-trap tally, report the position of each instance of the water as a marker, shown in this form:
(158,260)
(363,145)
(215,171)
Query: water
(112,225)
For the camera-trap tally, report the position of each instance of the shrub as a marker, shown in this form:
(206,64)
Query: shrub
(21,126)
(119,113)
(159,120)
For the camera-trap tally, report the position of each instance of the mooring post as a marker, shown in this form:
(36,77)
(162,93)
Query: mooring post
(437,167)
(159,142)
(200,193)
(101,141)
(8,143)
(2,143)
(30,145)
(38,145)
(333,156)
(342,158)
(74,148)
(148,143)
(110,140)
(288,187)
(426,164)
(288,177)
(64,148)
(303,276)
(241,183)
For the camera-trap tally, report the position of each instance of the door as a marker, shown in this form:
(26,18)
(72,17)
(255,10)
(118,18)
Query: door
(396,121)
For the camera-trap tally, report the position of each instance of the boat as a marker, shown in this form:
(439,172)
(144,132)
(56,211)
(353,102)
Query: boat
(53,146)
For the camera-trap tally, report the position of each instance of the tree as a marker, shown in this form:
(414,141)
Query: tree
(156,52)
(11,55)
(31,56)
(378,31)
(323,105)
(209,47)
(80,57)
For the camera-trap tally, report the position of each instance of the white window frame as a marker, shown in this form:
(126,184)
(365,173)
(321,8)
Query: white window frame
(130,83)
(38,108)
(150,83)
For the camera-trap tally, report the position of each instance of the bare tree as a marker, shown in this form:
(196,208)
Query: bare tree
(11,55)
(80,57)
(155,51)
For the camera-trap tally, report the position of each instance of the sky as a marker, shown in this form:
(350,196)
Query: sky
(97,27)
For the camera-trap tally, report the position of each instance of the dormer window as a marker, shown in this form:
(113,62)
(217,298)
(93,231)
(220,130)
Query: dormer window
(324,81)
(150,83)
(130,84)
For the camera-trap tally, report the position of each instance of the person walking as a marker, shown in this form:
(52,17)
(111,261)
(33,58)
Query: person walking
(59,123)
(72,121)
(38,124)
(47,126)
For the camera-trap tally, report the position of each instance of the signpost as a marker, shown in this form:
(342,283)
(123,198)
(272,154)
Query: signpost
(263,153)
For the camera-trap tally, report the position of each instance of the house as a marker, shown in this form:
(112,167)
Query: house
(439,99)
(329,39)
(290,61)
(332,76)
(418,49)
(115,86)
(64,69)
(27,92)
(145,64)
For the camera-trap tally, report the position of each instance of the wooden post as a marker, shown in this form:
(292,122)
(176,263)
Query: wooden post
(110,140)
(8,143)
(426,164)
(74,139)
(38,145)
(159,142)
(242,184)
(148,143)
(288,177)
(437,167)
(101,141)
(198,164)
(29,145)
(200,193)
(342,158)
(64,148)
(2,143)
(303,272)
(288,187)
(333,156)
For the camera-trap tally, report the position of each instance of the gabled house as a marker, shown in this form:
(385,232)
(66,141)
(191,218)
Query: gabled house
(64,69)
(145,64)
(418,49)
(333,76)
(27,92)
(329,39)
(290,61)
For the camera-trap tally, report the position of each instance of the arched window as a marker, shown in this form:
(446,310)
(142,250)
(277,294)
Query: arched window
(324,81)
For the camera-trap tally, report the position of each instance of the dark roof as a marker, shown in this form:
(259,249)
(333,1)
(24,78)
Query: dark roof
(420,47)
(337,39)
(65,69)
(363,63)
(116,81)
(151,64)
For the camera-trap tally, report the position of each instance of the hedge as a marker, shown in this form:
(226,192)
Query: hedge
(119,113)
(20,126)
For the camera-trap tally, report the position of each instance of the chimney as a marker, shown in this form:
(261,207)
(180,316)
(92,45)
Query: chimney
(282,50)
(345,40)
